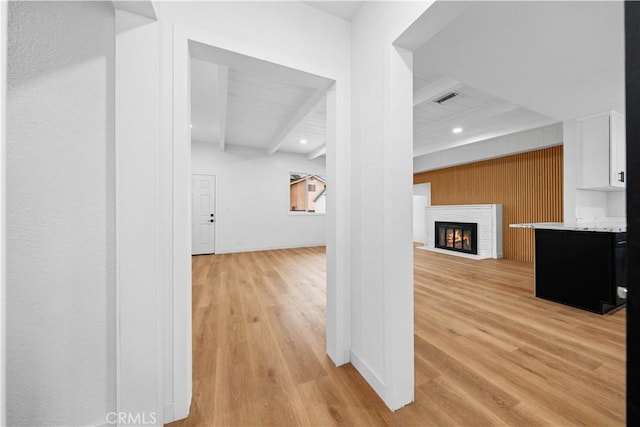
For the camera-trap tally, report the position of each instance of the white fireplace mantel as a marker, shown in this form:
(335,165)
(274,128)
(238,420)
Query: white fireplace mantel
(488,218)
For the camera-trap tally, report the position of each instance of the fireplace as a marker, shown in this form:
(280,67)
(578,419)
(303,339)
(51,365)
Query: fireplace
(457,236)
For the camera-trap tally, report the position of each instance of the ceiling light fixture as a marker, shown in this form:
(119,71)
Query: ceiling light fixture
(303,141)
(456,130)
(191,126)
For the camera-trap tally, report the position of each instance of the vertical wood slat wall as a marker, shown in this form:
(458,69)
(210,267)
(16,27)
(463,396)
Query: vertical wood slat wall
(527,185)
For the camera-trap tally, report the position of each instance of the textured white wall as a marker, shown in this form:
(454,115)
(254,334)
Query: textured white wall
(60,214)
(3,198)
(252,197)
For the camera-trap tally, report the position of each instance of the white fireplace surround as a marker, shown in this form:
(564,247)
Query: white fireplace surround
(488,218)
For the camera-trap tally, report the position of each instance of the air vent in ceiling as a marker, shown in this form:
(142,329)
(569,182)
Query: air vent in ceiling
(446,97)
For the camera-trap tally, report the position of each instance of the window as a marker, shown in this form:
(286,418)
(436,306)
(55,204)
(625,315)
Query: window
(307,193)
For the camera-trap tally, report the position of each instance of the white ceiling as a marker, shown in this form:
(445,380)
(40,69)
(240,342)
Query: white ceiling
(516,65)
(312,129)
(480,115)
(524,63)
(242,101)
(259,107)
(342,9)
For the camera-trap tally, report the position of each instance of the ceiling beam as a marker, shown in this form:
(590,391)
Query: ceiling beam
(236,61)
(309,108)
(221,101)
(317,152)
(435,89)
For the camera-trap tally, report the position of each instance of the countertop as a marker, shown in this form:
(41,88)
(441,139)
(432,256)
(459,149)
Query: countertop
(601,227)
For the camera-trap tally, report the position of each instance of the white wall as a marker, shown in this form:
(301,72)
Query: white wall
(60,214)
(252,198)
(421,199)
(616,204)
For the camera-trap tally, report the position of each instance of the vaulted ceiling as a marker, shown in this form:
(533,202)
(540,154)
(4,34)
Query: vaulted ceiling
(242,101)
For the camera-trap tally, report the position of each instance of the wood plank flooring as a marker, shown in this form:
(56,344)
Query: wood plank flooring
(487,353)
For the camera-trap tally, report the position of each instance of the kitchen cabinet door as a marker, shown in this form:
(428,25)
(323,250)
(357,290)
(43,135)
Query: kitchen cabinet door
(601,152)
(618,158)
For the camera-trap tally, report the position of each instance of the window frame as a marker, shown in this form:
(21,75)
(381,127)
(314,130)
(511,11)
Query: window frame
(306,176)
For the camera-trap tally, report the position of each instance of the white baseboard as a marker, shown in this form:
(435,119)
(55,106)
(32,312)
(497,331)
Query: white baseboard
(270,247)
(367,373)
(173,413)
(453,253)
(168,413)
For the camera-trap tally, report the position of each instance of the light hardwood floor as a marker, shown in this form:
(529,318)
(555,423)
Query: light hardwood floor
(486,351)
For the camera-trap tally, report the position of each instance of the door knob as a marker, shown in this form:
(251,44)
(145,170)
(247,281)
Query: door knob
(622,292)
(210,220)
(211,215)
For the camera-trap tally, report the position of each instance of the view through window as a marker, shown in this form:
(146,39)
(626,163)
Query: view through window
(307,193)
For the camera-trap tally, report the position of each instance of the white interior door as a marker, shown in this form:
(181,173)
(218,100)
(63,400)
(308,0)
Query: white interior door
(203,214)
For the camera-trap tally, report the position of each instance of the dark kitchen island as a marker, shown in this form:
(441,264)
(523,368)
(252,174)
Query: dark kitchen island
(580,265)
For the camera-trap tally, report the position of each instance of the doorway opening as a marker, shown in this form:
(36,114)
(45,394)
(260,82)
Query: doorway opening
(250,123)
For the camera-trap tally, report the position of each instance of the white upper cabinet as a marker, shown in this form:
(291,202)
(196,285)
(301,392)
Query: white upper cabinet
(602,152)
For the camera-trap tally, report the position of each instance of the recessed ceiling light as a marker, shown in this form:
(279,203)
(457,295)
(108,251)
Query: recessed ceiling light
(303,141)
(190,126)
(456,130)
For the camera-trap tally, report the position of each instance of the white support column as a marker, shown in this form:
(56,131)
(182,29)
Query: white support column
(398,234)
(139,352)
(181,205)
(338,327)
(382,197)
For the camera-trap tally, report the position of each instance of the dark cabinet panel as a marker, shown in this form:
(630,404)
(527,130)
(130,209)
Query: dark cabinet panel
(580,268)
